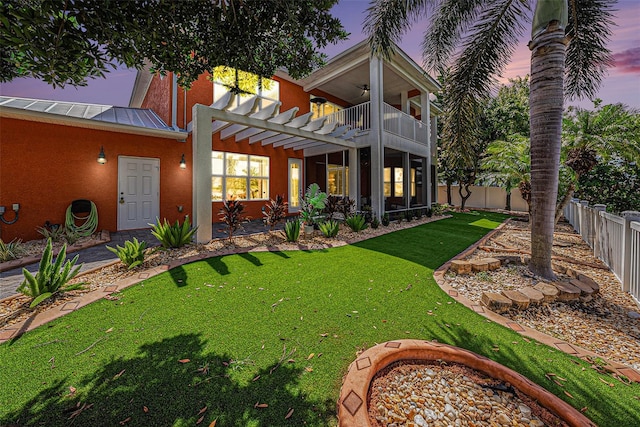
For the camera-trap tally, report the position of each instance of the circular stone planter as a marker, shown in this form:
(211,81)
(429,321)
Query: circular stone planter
(352,404)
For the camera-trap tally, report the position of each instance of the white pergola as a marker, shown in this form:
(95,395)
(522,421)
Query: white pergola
(266,126)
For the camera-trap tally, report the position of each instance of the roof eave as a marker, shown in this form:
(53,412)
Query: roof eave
(42,117)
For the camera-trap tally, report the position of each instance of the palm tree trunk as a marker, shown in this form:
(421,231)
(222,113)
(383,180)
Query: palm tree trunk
(565,201)
(548,51)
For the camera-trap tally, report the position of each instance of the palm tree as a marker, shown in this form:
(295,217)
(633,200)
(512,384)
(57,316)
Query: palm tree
(507,164)
(589,137)
(568,36)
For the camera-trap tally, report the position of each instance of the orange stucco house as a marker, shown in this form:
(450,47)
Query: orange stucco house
(361,127)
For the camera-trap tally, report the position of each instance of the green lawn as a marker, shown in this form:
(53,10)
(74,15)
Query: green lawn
(240,319)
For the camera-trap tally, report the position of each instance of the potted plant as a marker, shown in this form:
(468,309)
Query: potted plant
(311,205)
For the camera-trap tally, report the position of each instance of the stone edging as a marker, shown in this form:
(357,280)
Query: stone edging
(556,343)
(38,319)
(105,237)
(352,404)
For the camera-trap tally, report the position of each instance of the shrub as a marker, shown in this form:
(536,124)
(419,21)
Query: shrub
(292,230)
(408,215)
(275,211)
(375,222)
(173,236)
(51,277)
(356,222)
(385,219)
(231,215)
(439,209)
(11,250)
(429,212)
(52,231)
(312,204)
(71,236)
(329,228)
(132,254)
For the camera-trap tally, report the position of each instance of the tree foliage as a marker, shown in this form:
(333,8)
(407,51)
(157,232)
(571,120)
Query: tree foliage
(615,184)
(67,41)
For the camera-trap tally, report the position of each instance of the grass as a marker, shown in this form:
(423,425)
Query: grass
(213,339)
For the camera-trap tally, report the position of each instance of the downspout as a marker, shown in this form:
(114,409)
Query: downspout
(174,102)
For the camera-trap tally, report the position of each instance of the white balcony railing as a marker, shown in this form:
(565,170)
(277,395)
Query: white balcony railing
(395,121)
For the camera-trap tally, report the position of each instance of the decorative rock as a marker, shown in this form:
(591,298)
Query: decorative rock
(589,282)
(479,265)
(558,268)
(633,315)
(494,264)
(585,290)
(549,292)
(534,295)
(460,266)
(567,292)
(496,302)
(520,300)
(420,421)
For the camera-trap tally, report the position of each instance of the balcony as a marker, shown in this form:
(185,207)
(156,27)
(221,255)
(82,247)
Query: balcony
(395,122)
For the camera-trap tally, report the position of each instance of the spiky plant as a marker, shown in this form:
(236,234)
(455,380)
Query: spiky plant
(231,215)
(173,236)
(52,276)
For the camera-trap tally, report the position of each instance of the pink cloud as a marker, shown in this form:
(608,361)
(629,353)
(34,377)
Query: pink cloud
(628,61)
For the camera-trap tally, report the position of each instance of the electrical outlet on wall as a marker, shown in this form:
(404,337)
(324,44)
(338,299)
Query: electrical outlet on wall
(1,210)
(16,207)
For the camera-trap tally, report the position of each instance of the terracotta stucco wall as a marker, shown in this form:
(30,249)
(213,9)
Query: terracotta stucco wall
(44,167)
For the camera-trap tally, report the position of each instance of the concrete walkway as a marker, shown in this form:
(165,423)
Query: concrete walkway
(98,256)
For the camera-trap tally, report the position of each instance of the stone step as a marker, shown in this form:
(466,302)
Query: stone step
(460,266)
(590,282)
(478,265)
(496,302)
(535,296)
(567,292)
(549,292)
(585,290)
(518,299)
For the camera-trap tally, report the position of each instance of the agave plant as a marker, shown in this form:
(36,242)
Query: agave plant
(132,254)
(356,222)
(51,277)
(11,250)
(329,228)
(173,236)
(292,230)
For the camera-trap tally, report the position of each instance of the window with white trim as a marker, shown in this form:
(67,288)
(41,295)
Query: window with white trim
(239,176)
(249,84)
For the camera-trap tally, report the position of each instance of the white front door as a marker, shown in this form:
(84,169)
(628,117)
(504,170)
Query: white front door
(138,192)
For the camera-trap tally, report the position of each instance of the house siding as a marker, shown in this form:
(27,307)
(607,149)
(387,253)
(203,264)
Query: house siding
(60,166)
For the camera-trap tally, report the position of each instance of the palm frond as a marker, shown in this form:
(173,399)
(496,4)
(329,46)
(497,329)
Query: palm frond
(451,19)
(387,20)
(588,58)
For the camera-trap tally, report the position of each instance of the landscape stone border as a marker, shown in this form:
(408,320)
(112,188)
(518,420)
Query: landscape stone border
(526,331)
(352,404)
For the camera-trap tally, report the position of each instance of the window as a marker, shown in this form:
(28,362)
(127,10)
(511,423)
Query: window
(393,182)
(242,176)
(225,77)
(323,109)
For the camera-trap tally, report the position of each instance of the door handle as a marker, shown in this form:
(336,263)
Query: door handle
(122,200)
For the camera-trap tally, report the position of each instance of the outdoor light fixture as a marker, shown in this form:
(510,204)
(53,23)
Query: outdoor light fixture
(101,158)
(183,163)
(319,100)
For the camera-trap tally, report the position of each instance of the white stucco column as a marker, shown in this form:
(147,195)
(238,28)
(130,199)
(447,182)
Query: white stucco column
(433,159)
(404,102)
(425,117)
(201,140)
(375,135)
(354,176)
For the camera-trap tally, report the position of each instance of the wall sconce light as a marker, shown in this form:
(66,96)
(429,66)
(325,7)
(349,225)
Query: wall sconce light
(101,158)
(183,163)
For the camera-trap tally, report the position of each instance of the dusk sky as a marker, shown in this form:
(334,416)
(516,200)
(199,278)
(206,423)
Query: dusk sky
(622,83)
